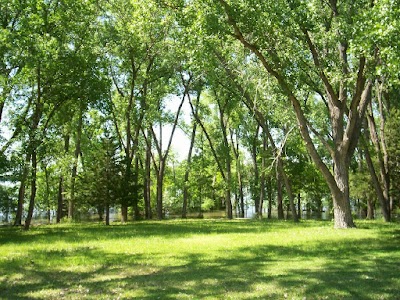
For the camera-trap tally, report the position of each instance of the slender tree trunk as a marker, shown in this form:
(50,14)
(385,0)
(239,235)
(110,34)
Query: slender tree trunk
(299,206)
(47,196)
(33,145)
(74,173)
(383,200)
(33,190)
(160,185)
(288,187)
(382,186)
(136,212)
(240,195)
(269,193)
(187,171)
(257,195)
(370,208)
(60,199)
(228,202)
(279,196)
(147,181)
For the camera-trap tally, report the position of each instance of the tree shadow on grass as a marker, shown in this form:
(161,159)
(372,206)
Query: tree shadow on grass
(365,269)
(166,229)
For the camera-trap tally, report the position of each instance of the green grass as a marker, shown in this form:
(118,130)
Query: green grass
(201,259)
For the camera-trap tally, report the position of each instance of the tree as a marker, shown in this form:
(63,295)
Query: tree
(317,49)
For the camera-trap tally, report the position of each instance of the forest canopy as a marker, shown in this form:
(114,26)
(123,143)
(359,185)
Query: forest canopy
(285,109)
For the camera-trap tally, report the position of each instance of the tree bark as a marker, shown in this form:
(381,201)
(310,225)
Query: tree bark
(147,180)
(187,171)
(74,173)
(21,191)
(346,118)
(279,199)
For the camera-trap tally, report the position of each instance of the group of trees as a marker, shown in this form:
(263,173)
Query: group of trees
(290,102)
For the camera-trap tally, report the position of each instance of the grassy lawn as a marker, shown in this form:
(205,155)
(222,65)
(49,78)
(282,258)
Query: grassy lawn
(201,259)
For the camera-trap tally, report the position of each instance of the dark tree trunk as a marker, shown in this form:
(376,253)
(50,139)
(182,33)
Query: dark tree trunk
(299,206)
(60,199)
(279,189)
(136,212)
(21,191)
(269,189)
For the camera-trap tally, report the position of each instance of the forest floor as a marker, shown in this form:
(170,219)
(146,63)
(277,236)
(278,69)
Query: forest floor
(201,259)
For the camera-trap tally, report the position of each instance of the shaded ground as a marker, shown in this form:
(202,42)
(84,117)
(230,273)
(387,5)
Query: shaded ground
(201,260)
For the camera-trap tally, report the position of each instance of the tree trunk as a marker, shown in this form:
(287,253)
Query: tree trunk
(160,184)
(281,215)
(147,181)
(269,189)
(257,180)
(288,187)
(340,193)
(382,196)
(187,171)
(74,173)
(21,191)
(299,206)
(381,187)
(345,115)
(370,208)
(33,190)
(136,212)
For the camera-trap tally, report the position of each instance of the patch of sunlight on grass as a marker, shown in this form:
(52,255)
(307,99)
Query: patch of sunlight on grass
(207,259)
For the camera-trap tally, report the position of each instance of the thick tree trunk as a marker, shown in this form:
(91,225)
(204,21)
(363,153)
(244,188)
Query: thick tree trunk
(341,203)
